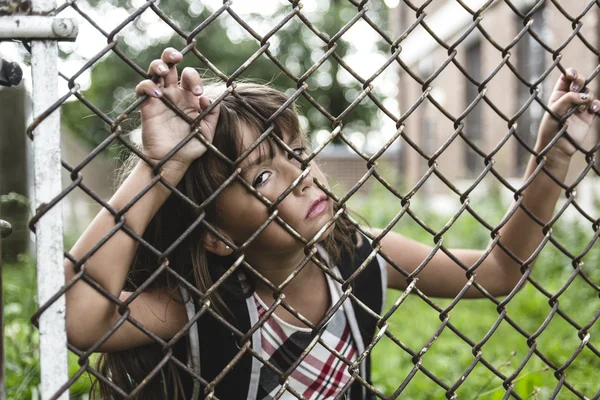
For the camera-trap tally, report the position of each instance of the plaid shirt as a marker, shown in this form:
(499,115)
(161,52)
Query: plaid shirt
(321,374)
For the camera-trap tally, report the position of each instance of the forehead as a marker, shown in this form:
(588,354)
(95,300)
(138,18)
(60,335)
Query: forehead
(250,134)
(268,146)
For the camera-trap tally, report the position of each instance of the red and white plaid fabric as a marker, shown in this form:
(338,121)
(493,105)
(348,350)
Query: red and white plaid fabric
(321,374)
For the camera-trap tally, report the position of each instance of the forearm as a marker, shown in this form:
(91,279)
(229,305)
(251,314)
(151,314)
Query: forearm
(110,264)
(522,235)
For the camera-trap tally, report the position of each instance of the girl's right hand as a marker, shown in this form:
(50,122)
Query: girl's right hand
(162,129)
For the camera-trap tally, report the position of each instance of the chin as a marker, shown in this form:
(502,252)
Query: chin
(327,233)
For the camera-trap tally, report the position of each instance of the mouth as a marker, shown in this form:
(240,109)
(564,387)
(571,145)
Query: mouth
(318,207)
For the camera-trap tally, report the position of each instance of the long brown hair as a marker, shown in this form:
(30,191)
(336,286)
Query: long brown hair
(250,105)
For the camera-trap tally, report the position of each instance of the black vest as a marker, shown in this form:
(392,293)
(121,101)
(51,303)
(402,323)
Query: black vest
(218,345)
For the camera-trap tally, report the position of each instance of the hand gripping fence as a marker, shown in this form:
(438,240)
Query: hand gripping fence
(47,221)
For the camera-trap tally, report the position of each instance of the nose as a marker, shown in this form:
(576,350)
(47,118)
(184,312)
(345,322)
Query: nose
(306,179)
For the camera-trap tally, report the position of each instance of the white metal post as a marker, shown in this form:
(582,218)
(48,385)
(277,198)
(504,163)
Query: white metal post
(49,232)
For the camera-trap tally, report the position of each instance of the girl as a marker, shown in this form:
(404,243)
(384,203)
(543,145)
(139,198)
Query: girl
(249,282)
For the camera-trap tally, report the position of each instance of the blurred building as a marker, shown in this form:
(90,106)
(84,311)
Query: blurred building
(486,126)
(345,168)
(14,188)
(98,176)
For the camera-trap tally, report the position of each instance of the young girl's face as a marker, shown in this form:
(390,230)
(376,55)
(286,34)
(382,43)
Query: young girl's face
(306,208)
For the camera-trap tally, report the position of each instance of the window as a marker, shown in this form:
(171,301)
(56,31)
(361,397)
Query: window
(474,119)
(531,65)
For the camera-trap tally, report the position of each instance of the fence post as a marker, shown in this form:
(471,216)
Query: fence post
(49,232)
(39,25)
(5,231)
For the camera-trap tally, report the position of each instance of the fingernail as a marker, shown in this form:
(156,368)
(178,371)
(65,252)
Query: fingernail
(175,54)
(157,92)
(594,108)
(582,107)
(575,88)
(198,89)
(573,74)
(584,96)
(162,68)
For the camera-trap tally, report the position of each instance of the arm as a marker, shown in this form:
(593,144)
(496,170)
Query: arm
(498,273)
(89,314)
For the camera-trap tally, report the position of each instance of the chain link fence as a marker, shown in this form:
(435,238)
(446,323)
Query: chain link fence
(450,386)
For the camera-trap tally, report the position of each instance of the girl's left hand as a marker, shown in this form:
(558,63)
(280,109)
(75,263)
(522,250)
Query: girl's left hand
(564,96)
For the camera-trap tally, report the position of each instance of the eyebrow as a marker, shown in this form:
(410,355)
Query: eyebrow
(261,159)
(257,161)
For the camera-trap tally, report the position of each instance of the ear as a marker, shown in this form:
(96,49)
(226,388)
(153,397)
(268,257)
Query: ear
(215,245)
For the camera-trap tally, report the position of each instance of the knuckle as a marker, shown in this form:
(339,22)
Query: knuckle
(167,51)
(143,87)
(155,65)
(170,54)
(189,72)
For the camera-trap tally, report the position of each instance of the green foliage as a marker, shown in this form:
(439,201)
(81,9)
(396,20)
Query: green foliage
(228,47)
(21,338)
(17,198)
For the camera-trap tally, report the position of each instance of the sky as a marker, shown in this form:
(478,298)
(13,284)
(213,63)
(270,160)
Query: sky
(363,57)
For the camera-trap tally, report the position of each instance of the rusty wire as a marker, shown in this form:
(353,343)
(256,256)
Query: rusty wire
(302,90)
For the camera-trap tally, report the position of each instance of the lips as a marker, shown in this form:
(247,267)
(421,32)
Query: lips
(317,207)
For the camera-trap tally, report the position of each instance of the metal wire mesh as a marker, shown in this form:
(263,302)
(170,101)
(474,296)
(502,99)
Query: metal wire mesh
(418,14)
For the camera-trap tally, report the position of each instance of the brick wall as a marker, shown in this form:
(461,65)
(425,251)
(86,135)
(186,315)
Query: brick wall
(430,129)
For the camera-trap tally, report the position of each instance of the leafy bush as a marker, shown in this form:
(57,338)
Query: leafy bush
(21,338)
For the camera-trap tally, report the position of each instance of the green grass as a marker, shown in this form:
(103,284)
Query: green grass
(415,322)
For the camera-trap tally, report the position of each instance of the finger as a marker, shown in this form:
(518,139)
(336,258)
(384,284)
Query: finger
(147,87)
(213,115)
(205,102)
(577,83)
(590,99)
(564,81)
(190,80)
(158,67)
(171,56)
(571,73)
(564,104)
(594,107)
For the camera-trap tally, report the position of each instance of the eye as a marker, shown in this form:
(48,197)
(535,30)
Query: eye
(261,179)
